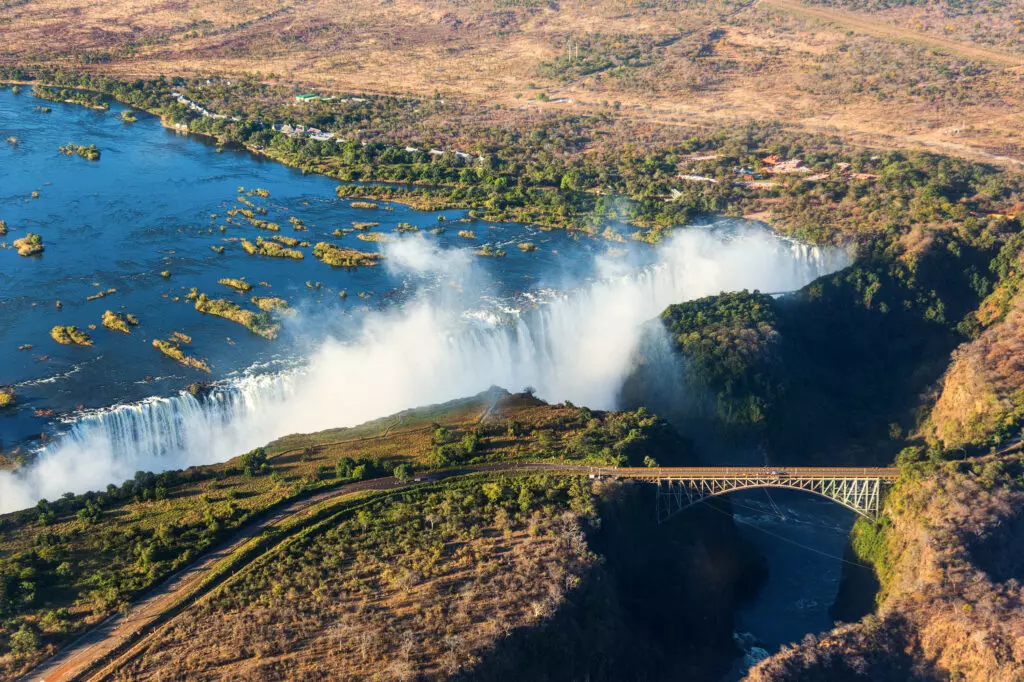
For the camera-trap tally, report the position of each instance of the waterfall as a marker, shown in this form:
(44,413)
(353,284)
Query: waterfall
(575,344)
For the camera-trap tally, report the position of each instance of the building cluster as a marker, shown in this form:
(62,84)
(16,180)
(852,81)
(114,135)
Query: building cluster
(761,177)
(303,131)
(307,131)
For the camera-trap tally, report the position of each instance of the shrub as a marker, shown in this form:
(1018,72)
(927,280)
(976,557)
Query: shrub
(254,462)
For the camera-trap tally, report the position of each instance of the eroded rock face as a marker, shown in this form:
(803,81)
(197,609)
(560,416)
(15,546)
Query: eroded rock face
(952,592)
(983,390)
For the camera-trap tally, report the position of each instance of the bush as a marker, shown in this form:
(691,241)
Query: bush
(25,641)
(254,462)
(403,472)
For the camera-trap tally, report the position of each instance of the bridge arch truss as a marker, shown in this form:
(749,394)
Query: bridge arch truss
(861,494)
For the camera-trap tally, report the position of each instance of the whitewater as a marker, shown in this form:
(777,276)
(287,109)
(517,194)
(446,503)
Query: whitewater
(576,343)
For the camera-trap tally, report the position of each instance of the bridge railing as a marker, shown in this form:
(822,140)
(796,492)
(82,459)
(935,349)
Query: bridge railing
(665,473)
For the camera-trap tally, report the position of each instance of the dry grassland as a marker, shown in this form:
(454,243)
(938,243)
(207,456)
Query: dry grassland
(666,63)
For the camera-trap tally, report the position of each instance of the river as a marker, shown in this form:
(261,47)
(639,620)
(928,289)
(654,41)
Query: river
(802,538)
(148,206)
(433,322)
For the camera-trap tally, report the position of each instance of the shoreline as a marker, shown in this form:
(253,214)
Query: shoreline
(424,204)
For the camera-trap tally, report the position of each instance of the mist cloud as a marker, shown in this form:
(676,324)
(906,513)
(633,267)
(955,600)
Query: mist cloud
(577,346)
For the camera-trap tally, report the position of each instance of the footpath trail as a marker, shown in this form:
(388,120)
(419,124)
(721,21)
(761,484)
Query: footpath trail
(864,24)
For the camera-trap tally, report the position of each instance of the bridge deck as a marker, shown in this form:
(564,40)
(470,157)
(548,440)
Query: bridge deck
(805,473)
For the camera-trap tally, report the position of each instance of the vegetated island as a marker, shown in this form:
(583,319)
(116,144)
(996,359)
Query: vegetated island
(341,257)
(7,397)
(70,336)
(172,349)
(261,324)
(100,294)
(239,285)
(115,322)
(29,245)
(272,304)
(90,153)
(272,249)
(489,251)
(250,215)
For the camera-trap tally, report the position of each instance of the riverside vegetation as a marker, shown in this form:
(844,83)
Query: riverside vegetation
(261,323)
(659,64)
(912,352)
(539,173)
(71,562)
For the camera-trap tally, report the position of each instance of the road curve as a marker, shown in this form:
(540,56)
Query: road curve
(118,633)
(105,638)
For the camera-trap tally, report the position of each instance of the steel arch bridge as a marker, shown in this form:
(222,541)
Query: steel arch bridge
(858,489)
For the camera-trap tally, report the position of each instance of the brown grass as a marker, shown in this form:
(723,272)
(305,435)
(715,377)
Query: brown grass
(952,606)
(981,390)
(713,62)
(371,619)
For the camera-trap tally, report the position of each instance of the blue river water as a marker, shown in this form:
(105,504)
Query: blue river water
(802,538)
(432,322)
(155,202)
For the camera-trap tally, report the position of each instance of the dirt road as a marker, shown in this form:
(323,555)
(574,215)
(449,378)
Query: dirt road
(864,24)
(99,642)
(117,633)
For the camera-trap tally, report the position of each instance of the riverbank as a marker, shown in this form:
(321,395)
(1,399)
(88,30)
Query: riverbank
(845,196)
(154,256)
(948,556)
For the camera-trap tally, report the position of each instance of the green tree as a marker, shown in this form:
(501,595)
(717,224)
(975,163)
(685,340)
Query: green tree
(525,499)
(494,491)
(471,442)
(403,472)
(25,641)
(254,462)
(344,467)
